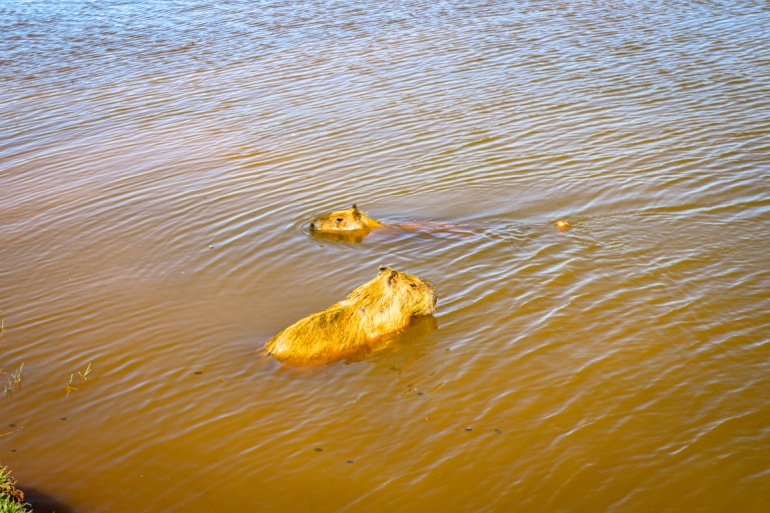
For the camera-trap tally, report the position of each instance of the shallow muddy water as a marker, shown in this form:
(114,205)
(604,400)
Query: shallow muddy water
(160,161)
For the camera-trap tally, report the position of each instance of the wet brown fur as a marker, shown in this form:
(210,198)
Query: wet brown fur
(349,219)
(380,306)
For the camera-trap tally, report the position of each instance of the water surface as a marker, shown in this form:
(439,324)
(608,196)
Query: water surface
(160,161)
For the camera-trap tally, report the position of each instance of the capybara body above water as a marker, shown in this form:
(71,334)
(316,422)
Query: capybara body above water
(380,306)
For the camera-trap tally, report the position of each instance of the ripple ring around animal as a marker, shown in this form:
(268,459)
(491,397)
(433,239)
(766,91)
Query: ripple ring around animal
(383,305)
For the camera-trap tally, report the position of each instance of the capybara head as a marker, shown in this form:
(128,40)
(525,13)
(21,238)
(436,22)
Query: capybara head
(349,219)
(397,294)
(380,306)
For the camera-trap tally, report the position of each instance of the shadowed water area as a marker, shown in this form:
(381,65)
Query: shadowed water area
(160,163)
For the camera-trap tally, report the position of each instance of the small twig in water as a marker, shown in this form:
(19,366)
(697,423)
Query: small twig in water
(11,432)
(14,380)
(69,387)
(17,376)
(84,374)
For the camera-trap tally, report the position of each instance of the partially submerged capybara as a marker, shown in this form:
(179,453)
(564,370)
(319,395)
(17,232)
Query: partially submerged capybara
(352,225)
(350,219)
(380,306)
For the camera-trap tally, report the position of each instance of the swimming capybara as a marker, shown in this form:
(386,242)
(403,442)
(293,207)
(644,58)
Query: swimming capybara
(352,225)
(350,219)
(380,306)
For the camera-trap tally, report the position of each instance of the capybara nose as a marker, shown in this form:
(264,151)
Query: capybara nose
(312,226)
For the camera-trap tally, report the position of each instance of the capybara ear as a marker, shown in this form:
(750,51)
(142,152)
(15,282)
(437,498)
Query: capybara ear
(392,278)
(383,268)
(355,207)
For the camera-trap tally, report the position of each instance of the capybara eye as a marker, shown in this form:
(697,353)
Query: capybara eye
(413,285)
(338,220)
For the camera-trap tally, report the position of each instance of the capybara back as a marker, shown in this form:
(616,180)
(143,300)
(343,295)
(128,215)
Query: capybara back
(380,306)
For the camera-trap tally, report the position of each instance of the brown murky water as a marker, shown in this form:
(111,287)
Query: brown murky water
(159,162)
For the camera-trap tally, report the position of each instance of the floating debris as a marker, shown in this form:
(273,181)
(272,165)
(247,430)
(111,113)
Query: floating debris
(69,388)
(469,429)
(318,449)
(84,374)
(435,387)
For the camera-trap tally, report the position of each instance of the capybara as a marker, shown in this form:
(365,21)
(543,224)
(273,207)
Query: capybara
(352,225)
(350,219)
(380,306)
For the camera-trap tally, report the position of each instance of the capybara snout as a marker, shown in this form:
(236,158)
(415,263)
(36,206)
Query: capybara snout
(380,306)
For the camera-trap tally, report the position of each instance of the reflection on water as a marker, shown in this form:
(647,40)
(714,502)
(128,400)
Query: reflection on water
(402,346)
(349,236)
(160,163)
